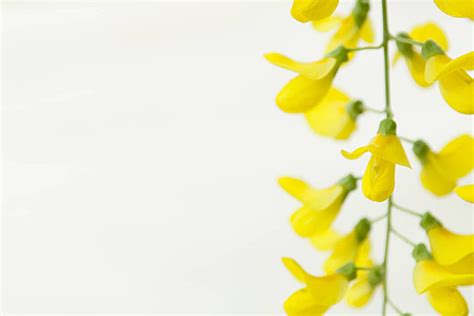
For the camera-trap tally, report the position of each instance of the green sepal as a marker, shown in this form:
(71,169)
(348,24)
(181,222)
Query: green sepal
(355,108)
(429,222)
(348,270)
(349,183)
(388,127)
(406,49)
(430,49)
(340,53)
(376,276)
(362,229)
(420,252)
(421,150)
(360,11)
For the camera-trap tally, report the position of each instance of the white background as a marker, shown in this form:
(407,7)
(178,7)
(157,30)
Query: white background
(141,148)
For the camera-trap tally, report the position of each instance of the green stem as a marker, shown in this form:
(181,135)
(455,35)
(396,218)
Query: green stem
(406,210)
(407,40)
(377,219)
(364,48)
(395,307)
(402,237)
(406,139)
(368,109)
(385,256)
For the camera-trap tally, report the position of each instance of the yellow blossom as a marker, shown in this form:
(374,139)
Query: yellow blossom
(335,116)
(448,301)
(457,8)
(429,275)
(455,84)
(312,10)
(320,206)
(351,29)
(466,192)
(412,56)
(312,83)
(319,293)
(379,178)
(441,171)
(453,251)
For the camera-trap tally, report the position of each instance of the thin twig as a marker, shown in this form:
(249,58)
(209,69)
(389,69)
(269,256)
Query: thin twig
(402,237)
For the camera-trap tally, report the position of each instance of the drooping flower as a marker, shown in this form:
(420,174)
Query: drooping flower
(412,56)
(453,251)
(466,192)
(320,206)
(448,301)
(441,171)
(457,8)
(455,84)
(335,116)
(379,178)
(312,10)
(319,293)
(312,83)
(351,29)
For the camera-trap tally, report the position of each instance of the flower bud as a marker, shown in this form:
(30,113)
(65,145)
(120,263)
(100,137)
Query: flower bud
(421,150)
(420,252)
(430,49)
(354,109)
(388,127)
(360,11)
(405,49)
(362,229)
(348,270)
(349,183)
(428,221)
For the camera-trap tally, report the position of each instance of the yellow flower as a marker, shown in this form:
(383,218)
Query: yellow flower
(441,171)
(320,206)
(312,83)
(319,293)
(347,248)
(412,56)
(312,10)
(466,192)
(453,251)
(429,275)
(455,84)
(351,29)
(335,116)
(448,301)
(457,8)
(325,240)
(379,178)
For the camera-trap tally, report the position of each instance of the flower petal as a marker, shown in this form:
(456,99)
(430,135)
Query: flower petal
(449,248)
(434,66)
(389,148)
(325,240)
(356,153)
(312,10)
(307,222)
(457,8)
(464,62)
(302,303)
(457,89)
(311,70)
(416,65)
(367,31)
(430,31)
(448,301)
(327,24)
(327,290)
(466,192)
(378,181)
(295,269)
(345,251)
(359,293)
(295,187)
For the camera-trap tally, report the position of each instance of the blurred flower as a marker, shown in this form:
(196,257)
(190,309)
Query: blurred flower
(455,84)
(441,171)
(319,293)
(466,192)
(412,56)
(448,301)
(379,178)
(312,83)
(312,10)
(457,8)
(320,206)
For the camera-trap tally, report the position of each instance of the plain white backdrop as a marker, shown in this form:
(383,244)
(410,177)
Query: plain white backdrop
(141,148)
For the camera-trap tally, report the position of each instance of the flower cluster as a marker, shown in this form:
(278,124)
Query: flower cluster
(351,274)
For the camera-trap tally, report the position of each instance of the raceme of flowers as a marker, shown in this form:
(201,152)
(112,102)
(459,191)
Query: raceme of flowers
(350,274)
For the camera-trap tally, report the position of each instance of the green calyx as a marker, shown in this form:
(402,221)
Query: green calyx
(388,127)
(348,270)
(340,53)
(429,222)
(349,183)
(405,49)
(376,276)
(430,49)
(355,108)
(360,11)
(421,150)
(420,252)
(362,229)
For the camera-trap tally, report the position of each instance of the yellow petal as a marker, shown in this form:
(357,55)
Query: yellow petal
(457,8)
(449,248)
(396,58)
(312,10)
(327,290)
(389,148)
(345,251)
(435,178)
(367,31)
(448,301)
(307,222)
(378,181)
(430,31)
(295,187)
(347,35)
(464,62)
(301,94)
(302,303)
(416,66)
(327,24)
(457,89)
(463,266)
(429,275)
(356,153)
(325,240)
(359,293)
(295,269)
(330,118)
(363,256)
(466,192)
(311,70)
(434,66)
